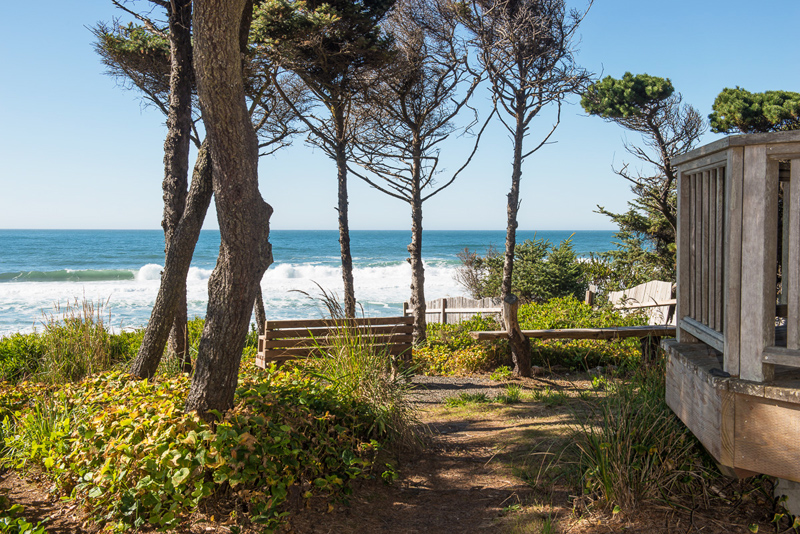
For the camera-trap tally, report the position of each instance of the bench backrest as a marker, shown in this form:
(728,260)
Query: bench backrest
(292,339)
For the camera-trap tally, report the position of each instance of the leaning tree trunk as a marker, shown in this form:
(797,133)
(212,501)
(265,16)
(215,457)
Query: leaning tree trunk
(221,28)
(415,258)
(513,208)
(176,267)
(176,154)
(520,344)
(344,225)
(261,314)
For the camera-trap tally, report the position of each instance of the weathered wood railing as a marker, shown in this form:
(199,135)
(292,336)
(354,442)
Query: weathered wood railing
(451,310)
(729,226)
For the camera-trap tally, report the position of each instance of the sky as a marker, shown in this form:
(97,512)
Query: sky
(78,151)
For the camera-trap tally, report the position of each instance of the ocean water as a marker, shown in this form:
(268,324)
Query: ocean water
(43,269)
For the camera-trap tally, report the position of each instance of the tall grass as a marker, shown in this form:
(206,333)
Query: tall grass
(75,341)
(365,374)
(634,449)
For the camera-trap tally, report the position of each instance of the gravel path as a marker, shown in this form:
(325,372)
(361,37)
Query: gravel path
(435,389)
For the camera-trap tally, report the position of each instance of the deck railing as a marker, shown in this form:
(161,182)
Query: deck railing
(737,198)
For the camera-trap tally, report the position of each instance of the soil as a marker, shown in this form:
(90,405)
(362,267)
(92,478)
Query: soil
(486,467)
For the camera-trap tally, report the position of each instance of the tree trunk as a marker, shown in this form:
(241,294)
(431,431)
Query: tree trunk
(176,152)
(415,255)
(176,267)
(520,345)
(513,207)
(344,225)
(245,251)
(261,314)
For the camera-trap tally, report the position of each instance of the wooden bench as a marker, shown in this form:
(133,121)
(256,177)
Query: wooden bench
(294,339)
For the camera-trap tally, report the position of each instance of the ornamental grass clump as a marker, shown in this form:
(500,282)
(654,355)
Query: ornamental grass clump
(634,449)
(76,342)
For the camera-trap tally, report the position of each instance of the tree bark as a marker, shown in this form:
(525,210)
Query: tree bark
(176,267)
(245,251)
(344,225)
(513,205)
(415,254)
(261,314)
(176,153)
(520,345)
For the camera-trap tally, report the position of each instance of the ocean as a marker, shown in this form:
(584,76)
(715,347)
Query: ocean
(41,270)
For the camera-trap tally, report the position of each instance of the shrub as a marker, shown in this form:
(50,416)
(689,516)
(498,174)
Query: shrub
(364,374)
(583,354)
(541,271)
(20,356)
(449,349)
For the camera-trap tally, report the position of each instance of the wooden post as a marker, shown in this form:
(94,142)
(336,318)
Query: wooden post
(734,180)
(405,309)
(520,344)
(444,311)
(792,272)
(684,274)
(759,246)
(590,294)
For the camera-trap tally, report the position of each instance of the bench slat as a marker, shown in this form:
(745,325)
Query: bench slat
(322,332)
(300,352)
(317,323)
(323,342)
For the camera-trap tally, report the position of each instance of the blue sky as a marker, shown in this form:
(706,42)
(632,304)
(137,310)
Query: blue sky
(77,151)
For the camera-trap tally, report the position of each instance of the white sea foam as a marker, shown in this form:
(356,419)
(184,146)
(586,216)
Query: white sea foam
(380,290)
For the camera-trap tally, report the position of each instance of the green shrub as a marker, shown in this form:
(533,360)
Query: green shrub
(581,354)
(364,374)
(512,394)
(20,356)
(465,398)
(11,521)
(449,349)
(541,271)
(635,449)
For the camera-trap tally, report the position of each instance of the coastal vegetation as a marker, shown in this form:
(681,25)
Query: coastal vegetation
(647,105)
(152,428)
(124,450)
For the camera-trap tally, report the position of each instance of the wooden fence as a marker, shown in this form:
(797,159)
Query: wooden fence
(452,310)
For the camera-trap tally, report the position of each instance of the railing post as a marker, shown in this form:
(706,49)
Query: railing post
(759,246)
(792,272)
(685,292)
(734,182)
(444,311)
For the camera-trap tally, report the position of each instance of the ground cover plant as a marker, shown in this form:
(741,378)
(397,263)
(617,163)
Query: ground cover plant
(125,450)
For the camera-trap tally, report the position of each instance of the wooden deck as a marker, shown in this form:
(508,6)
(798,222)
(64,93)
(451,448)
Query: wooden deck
(733,377)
